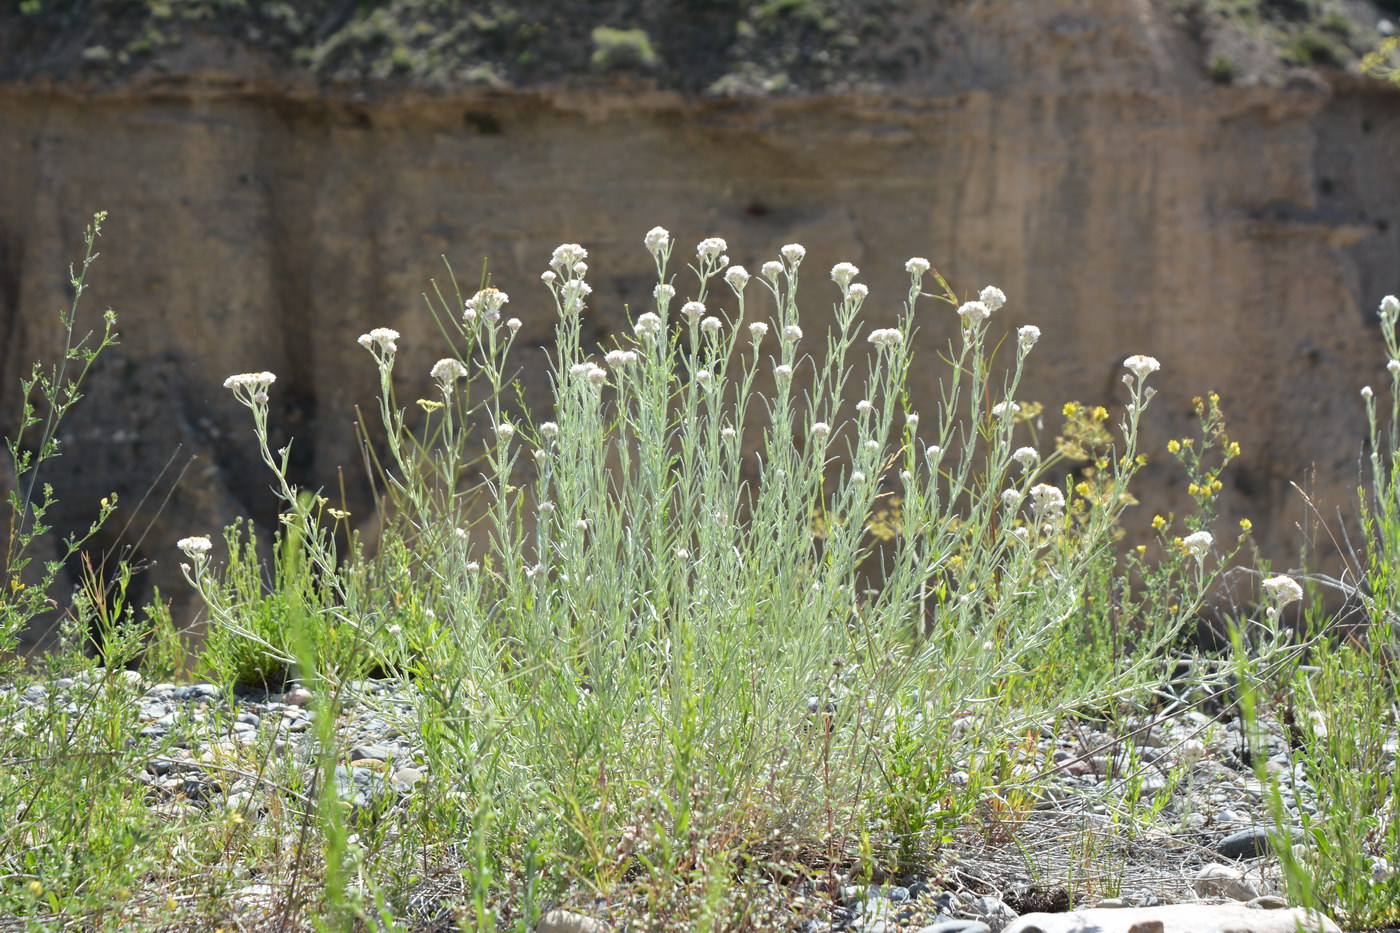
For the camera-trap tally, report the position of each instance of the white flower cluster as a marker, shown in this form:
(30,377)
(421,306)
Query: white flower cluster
(772,269)
(792,333)
(821,430)
(886,338)
(693,311)
(383,338)
(658,239)
(487,303)
(1283,590)
(842,273)
(758,330)
(505,431)
(917,266)
(254,383)
(1027,335)
(737,277)
(566,256)
(647,325)
(1141,366)
(1026,457)
(594,374)
(196,548)
(619,358)
(1047,500)
(993,297)
(1011,498)
(712,325)
(448,370)
(1006,408)
(1199,544)
(549,429)
(1390,306)
(973,313)
(711,248)
(793,253)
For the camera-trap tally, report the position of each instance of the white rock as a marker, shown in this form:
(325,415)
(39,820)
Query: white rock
(1176,918)
(1216,880)
(566,921)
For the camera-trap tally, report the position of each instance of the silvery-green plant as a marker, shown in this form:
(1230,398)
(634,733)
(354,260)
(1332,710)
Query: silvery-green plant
(659,647)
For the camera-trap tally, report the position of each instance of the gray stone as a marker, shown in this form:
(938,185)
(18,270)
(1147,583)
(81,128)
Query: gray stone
(1176,918)
(956,926)
(1216,880)
(566,921)
(1245,844)
(374,753)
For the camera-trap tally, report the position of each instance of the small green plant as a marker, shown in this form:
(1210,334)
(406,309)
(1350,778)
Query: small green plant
(622,48)
(1221,69)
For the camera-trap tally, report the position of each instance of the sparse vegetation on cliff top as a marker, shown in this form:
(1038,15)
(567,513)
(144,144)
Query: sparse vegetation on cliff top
(718,47)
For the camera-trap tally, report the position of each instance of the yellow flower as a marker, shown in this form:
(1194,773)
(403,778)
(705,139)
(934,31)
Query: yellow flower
(1141,549)
(429,404)
(1193,489)
(35,888)
(1071,409)
(1100,413)
(1246,525)
(1082,489)
(1158,522)
(1234,448)
(338,514)
(1217,486)
(1215,398)
(1173,446)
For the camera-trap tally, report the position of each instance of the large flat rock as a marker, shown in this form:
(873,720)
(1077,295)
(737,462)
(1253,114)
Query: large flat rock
(1176,918)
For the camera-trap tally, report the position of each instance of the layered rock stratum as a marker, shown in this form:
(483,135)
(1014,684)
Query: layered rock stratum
(271,202)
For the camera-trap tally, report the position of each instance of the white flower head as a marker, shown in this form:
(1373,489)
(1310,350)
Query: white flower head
(596,376)
(886,338)
(933,452)
(1366,392)
(546,277)
(821,430)
(758,330)
(382,339)
(473,566)
(196,548)
(546,508)
(574,291)
(772,268)
(1393,367)
(657,239)
(993,297)
(865,406)
(792,333)
(488,303)
(704,377)
(448,371)
(1199,544)
(1141,366)
(682,554)
(710,248)
(974,313)
(1282,590)
(783,371)
(663,292)
(513,324)
(648,325)
(857,478)
(580,269)
(255,383)
(737,277)
(1027,335)
(793,253)
(917,266)
(581,525)
(566,255)
(911,420)
(842,273)
(504,431)
(549,429)
(727,433)
(1026,457)
(619,358)
(693,311)
(1006,408)
(1047,499)
(712,325)
(1011,498)
(1390,305)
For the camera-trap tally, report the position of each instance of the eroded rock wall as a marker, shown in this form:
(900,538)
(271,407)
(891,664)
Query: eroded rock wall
(1070,153)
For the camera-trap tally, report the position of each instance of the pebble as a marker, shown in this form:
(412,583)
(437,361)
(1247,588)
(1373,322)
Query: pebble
(1176,918)
(566,921)
(1217,880)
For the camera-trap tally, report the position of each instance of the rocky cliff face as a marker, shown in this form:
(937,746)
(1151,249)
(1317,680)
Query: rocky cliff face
(1072,152)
